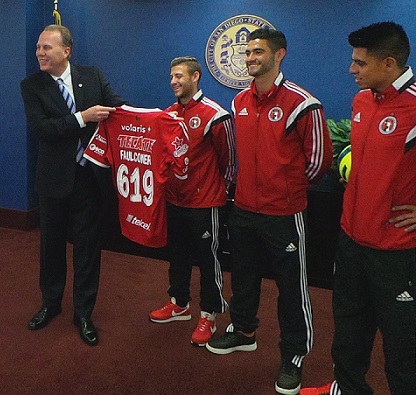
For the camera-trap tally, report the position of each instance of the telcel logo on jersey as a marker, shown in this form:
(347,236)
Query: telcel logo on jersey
(225,52)
(138,222)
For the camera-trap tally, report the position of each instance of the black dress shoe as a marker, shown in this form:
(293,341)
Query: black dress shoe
(87,330)
(42,317)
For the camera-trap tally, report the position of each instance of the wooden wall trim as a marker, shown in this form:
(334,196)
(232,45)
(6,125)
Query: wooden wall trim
(16,219)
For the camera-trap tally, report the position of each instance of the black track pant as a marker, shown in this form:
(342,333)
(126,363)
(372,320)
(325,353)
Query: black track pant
(193,239)
(281,241)
(374,289)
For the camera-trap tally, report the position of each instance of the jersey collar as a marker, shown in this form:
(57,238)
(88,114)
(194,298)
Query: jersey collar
(194,101)
(397,87)
(277,83)
(405,80)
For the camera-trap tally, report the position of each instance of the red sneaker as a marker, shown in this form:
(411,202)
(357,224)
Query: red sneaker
(170,312)
(204,330)
(324,390)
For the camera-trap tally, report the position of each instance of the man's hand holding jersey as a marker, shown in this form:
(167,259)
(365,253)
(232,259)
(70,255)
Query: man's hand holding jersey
(96,113)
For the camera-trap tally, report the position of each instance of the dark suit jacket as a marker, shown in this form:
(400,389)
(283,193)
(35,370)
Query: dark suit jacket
(57,129)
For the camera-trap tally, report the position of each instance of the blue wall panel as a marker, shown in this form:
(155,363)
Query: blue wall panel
(133,41)
(13,136)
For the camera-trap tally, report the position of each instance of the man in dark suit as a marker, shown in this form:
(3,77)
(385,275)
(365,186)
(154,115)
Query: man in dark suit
(69,192)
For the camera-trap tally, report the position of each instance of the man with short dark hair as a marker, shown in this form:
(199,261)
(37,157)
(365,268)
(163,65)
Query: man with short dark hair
(63,103)
(375,264)
(283,146)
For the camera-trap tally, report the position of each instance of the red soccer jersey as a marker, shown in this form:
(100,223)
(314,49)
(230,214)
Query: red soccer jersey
(142,146)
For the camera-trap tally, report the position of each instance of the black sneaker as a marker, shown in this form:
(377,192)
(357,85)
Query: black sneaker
(230,342)
(288,382)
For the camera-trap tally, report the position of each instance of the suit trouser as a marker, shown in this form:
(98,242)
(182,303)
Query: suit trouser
(374,289)
(279,240)
(193,239)
(80,213)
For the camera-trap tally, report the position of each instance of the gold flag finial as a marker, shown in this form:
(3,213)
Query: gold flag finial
(56,13)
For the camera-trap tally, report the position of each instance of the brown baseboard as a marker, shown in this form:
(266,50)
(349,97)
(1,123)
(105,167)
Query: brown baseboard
(16,219)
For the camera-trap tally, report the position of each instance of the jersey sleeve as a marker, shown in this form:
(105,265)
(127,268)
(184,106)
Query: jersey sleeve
(97,149)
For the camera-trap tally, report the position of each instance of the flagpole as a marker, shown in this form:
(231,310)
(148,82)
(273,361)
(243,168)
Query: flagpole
(56,13)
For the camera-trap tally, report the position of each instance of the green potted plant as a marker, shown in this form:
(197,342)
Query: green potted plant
(340,133)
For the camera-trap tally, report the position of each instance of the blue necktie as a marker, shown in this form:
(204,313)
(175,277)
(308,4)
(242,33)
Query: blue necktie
(71,105)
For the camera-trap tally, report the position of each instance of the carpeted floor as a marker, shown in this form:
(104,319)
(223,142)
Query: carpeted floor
(135,356)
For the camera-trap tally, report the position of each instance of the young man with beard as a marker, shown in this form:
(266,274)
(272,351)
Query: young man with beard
(193,204)
(283,146)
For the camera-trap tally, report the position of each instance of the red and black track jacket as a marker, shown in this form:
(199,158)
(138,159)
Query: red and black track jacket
(283,145)
(211,155)
(383,173)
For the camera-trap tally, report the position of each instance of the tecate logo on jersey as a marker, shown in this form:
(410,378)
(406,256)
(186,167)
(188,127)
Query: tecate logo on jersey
(134,128)
(136,142)
(138,222)
(96,149)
